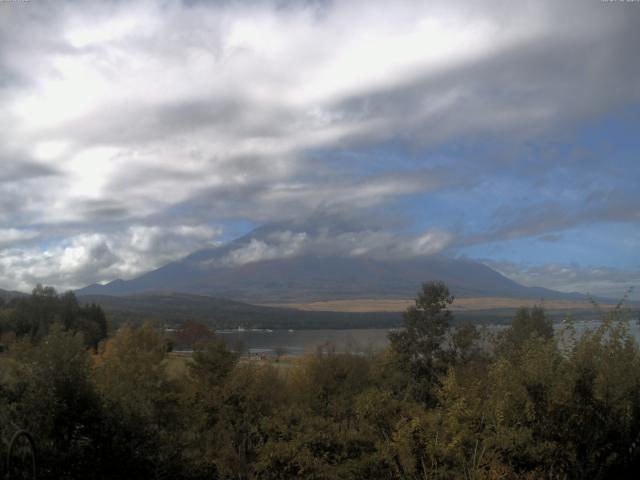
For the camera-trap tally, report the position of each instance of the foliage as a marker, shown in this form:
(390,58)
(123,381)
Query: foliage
(141,403)
(32,316)
(528,322)
(46,388)
(440,403)
(419,346)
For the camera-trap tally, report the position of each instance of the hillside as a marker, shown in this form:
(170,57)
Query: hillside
(311,277)
(174,308)
(9,294)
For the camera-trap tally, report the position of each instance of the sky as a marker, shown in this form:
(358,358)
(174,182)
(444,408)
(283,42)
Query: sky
(134,133)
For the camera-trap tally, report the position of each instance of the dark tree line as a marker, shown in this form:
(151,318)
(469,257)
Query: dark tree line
(33,316)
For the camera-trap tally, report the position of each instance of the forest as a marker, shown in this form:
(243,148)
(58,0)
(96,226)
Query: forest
(442,402)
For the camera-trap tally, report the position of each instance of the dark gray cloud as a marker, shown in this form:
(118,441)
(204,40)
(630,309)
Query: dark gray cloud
(104,210)
(300,198)
(18,166)
(148,123)
(522,90)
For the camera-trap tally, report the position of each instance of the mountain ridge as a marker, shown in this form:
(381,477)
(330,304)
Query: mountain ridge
(312,276)
(10,294)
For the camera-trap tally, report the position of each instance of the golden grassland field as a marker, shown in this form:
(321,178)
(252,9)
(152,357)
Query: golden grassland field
(364,305)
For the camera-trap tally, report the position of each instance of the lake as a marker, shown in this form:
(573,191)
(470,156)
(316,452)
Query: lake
(299,342)
(361,341)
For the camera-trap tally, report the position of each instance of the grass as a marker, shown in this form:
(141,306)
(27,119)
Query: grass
(177,364)
(398,305)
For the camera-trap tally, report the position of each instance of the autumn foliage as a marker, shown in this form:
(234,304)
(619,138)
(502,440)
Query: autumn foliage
(439,403)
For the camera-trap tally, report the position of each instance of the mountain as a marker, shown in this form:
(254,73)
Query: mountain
(10,294)
(305,277)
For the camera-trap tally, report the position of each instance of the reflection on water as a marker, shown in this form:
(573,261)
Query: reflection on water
(359,341)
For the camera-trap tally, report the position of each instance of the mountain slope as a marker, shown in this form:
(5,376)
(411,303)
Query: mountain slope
(311,277)
(10,294)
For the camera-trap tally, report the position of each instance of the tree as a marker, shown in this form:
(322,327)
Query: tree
(93,324)
(317,431)
(528,322)
(52,396)
(33,316)
(142,404)
(419,347)
(465,342)
(212,362)
(191,333)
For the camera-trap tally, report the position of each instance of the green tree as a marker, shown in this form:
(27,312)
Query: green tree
(212,362)
(528,322)
(32,316)
(230,435)
(143,404)
(419,347)
(318,431)
(465,342)
(50,393)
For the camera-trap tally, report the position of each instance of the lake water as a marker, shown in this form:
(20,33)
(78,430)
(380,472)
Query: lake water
(299,342)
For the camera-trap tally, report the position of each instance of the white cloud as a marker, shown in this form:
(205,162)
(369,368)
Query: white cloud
(598,280)
(366,243)
(287,244)
(88,258)
(430,242)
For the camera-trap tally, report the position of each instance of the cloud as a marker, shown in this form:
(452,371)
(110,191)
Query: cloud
(598,280)
(327,241)
(121,114)
(17,166)
(88,258)
(181,95)
(546,218)
(288,244)
(10,236)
